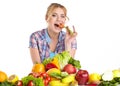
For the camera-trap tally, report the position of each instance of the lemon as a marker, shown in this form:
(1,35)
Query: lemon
(13,78)
(94,77)
(116,73)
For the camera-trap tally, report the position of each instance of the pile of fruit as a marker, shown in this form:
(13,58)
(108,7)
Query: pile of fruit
(61,70)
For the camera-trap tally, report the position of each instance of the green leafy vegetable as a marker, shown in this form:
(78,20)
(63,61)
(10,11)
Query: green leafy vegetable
(59,76)
(37,81)
(114,82)
(75,63)
(63,58)
(47,60)
(6,83)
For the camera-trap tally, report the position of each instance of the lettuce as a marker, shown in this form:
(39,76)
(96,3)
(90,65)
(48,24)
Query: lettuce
(63,58)
(37,81)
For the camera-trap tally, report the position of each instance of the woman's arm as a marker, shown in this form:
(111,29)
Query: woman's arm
(35,55)
(69,39)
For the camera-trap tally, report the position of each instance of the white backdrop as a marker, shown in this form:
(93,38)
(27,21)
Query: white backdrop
(96,21)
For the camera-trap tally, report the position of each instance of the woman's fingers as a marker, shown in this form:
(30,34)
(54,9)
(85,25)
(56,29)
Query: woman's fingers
(73,28)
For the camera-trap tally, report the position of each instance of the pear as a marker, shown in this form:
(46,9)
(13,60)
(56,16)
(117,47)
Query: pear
(69,78)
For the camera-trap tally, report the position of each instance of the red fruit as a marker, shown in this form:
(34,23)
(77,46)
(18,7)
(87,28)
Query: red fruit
(30,83)
(49,66)
(46,78)
(91,85)
(35,74)
(82,77)
(69,68)
(19,83)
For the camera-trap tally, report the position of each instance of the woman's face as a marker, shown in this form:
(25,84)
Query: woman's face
(57,16)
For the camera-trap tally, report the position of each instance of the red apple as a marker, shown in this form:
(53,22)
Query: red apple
(69,68)
(82,77)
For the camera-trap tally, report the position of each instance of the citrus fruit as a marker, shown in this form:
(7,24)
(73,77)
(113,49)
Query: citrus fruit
(94,77)
(116,73)
(38,67)
(3,76)
(13,78)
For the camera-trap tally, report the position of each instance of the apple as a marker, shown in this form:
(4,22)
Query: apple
(69,68)
(82,76)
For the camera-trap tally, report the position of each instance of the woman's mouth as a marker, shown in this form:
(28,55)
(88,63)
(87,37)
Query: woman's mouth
(59,25)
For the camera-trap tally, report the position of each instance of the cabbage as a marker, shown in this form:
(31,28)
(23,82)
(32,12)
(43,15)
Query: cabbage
(63,58)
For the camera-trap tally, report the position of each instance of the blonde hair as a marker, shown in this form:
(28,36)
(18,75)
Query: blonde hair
(52,7)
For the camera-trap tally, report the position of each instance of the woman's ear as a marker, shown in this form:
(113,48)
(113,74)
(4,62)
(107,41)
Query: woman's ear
(46,18)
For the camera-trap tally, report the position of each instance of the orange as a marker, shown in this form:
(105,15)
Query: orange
(38,67)
(3,76)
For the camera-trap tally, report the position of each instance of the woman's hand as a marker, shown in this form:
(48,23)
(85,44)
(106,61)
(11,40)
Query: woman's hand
(69,39)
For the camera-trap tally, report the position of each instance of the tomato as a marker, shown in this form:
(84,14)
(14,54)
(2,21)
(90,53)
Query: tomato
(61,25)
(30,83)
(45,77)
(19,83)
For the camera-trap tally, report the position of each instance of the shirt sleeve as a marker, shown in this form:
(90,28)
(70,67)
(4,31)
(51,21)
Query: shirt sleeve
(74,44)
(32,41)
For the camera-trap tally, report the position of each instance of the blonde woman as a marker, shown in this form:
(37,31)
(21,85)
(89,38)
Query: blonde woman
(52,40)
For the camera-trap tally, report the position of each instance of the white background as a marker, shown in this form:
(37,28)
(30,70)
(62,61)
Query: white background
(96,21)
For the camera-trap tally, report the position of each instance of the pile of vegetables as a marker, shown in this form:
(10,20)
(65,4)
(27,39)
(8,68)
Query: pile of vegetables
(64,58)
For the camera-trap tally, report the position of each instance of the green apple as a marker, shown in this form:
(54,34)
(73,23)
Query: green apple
(69,78)
(116,73)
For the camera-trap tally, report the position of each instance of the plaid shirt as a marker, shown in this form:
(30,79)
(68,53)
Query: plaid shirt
(41,41)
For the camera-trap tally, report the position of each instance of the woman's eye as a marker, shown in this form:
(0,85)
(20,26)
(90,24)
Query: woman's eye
(62,16)
(54,15)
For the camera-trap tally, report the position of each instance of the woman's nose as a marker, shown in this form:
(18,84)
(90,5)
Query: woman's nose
(58,18)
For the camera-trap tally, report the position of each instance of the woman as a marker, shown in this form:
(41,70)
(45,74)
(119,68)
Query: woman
(52,40)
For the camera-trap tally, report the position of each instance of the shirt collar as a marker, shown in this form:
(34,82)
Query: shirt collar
(48,39)
(47,36)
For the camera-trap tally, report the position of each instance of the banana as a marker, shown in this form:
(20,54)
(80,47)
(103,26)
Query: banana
(57,83)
